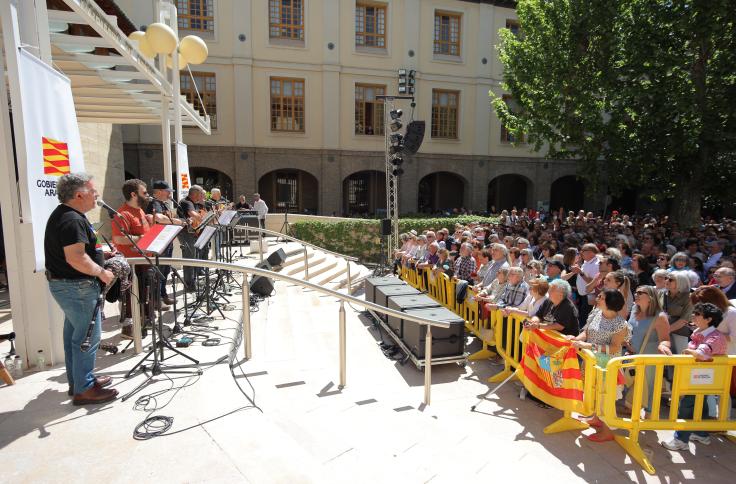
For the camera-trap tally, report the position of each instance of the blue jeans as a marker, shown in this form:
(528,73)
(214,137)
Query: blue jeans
(77,298)
(686,411)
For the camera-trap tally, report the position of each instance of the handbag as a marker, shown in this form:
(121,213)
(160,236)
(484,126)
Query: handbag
(629,375)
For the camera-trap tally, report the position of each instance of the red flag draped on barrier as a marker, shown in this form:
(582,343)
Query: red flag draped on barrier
(551,372)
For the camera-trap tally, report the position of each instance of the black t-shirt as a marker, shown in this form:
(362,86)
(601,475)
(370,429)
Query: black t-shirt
(67,226)
(242,206)
(565,314)
(186,205)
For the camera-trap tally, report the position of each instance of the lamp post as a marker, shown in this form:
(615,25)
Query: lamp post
(175,55)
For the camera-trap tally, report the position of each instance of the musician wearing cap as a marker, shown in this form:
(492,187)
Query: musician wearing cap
(74,269)
(129,225)
(192,209)
(159,210)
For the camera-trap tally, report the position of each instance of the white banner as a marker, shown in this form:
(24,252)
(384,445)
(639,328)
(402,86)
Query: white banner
(183,180)
(53,147)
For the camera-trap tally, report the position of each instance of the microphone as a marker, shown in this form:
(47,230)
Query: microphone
(110,211)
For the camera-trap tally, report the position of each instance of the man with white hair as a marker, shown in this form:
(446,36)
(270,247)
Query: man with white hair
(499,259)
(725,277)
(260,206)
(716,252)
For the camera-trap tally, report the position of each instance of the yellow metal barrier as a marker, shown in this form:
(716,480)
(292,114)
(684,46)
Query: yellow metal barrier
(691,377)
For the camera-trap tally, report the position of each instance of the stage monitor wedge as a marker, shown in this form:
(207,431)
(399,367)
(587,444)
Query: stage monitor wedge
(277,258)
(263,286)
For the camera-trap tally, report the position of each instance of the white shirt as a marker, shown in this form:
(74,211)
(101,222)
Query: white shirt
(712,260)
(260,207)
(591,269)
(728,327)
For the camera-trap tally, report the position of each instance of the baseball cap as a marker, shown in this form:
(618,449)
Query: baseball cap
(162,185)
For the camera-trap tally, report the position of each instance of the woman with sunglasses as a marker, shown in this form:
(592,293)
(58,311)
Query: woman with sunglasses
(650,333)
(605,335)
(679,263)
(663,262)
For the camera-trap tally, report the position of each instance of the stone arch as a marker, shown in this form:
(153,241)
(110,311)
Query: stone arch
(509,191)
(441,191)
(364,193)
(209,178)
(567,192)
(290,189)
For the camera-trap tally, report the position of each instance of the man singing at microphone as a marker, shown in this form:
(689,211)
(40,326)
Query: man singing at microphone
(132,221)
(74,269)
(158,209)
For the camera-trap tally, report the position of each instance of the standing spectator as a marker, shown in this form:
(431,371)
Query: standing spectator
(679,262)
(725,277)
(679,309)
(260,206)
(586,272)
(716,252)
(641,268)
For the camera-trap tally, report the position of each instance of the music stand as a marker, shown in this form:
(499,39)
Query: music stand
(204,238)
(155,241)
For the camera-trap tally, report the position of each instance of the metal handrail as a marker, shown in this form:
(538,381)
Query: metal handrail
(343,298)
(294,239)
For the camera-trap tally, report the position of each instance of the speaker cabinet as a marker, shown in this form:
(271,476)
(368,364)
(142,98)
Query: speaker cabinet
(277,258)
(262,286)
(264,265)
(404,303)
(370,284)
(414,136)
(386,226)
(385,292)
(283,192)
(446,342)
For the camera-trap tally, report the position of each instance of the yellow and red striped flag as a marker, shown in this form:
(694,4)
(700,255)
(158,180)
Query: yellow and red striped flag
(55,157)
(551,372)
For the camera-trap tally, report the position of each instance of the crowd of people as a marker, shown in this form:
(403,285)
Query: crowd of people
(620,285)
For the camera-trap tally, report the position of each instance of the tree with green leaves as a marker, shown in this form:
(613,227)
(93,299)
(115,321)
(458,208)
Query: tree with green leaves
(642,93)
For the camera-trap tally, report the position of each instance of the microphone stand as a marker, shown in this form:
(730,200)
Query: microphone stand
(156,343)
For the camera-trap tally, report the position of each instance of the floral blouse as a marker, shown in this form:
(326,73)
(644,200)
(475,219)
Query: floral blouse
(600,330)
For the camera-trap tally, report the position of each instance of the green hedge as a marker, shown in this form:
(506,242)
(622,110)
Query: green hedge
(362,237)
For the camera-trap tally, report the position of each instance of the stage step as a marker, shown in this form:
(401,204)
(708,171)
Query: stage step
(315,260)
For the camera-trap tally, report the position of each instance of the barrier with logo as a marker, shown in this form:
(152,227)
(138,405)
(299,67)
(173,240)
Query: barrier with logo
(699,379)
(691,377)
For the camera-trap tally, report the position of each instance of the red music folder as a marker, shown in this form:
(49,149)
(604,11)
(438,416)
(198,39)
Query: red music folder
(158,238)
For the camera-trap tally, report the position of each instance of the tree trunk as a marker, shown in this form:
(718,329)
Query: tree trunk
(685,209)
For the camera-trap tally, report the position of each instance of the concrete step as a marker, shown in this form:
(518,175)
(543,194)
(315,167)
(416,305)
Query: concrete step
(297,270)
(326,265)
(333,274)
(297,255)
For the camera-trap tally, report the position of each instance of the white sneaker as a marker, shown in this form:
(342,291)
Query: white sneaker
(676,444)
(698,438)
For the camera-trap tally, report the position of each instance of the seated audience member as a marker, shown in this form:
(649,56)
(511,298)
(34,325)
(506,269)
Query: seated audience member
(495,289)
(705,343)
(515,292)
(514,256)
(532,302)
(444,264)
(663,261)
(430,257)
(557,312)
(498,261)
(533,270)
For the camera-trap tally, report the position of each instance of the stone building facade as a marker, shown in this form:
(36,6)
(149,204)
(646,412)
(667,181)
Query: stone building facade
(332,163)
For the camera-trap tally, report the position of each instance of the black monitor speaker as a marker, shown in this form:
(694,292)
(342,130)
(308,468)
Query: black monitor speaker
(283,192)
(414,136)
(263,286)
(386,226)
(277,258)
(264,265)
